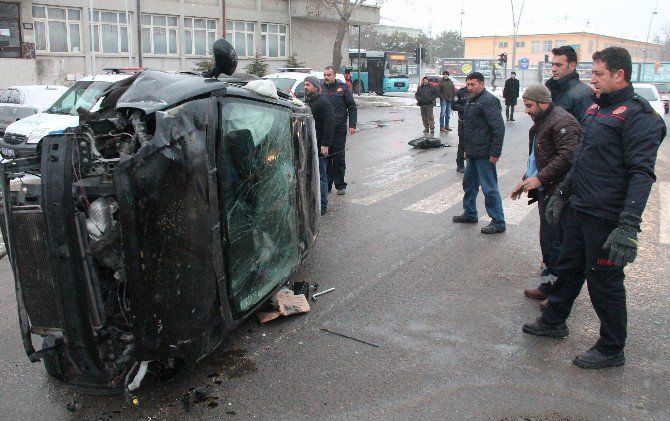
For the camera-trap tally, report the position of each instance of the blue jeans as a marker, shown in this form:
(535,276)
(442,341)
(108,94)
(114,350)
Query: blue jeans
(481,172)
(445,113)
(323,181)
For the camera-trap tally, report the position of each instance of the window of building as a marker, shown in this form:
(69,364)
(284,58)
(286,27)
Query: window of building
(199,35)
(159,34)
(57,29)
(241,36)
(521,43)
(10,37)
(502,44)
(547,46)
(110,32)
(535,46)
(273,40)
(560,43)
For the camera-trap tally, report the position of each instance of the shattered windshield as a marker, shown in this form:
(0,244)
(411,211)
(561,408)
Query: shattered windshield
(258,184)
(82,94)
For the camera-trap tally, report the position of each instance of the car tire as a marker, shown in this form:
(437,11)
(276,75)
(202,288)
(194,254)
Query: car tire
(53,360)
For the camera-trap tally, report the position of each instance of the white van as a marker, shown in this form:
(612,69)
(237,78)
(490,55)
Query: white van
(22,137)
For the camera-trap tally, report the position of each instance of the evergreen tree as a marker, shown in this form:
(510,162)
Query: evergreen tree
(292,61)
(257,66)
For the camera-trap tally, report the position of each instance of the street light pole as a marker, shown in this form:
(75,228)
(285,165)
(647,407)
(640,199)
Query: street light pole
(358,77)
(515,25)
(646,43)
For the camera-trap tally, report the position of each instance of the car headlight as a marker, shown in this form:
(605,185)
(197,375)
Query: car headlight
(37,135)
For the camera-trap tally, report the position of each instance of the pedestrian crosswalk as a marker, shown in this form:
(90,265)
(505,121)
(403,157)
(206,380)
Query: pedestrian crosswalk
(402,184)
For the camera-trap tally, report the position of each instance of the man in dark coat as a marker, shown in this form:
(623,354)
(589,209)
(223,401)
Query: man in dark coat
(483,132)
(606,192)
(567,91)
(510,93)
(552,142)
(324,122)
(425,96)
(345,110)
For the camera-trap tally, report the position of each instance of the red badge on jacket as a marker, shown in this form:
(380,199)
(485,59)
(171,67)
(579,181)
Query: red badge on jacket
(620,110)
(339,89)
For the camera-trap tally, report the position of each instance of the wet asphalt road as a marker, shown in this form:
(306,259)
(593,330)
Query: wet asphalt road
(437,309)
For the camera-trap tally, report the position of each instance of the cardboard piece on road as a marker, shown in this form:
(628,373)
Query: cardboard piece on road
(288,304)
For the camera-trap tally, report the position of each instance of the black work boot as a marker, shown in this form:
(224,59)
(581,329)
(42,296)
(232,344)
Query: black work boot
(465,219)
(540,328)
(596,359)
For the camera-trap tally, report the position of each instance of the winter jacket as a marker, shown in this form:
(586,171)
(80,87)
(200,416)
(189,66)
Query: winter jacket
(483,126)
(460,99)
(555,135)
(571,95)
(343,103)
(446,89)
(613,167)
(426,94)
(324,119)
(511,89)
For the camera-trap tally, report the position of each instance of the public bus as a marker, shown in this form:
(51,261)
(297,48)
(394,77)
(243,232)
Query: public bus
(380,71)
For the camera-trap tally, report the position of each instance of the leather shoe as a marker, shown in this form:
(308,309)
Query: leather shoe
(595,359)
(493,229)
(544,303)
(465,219)
(540,328)
(534,293)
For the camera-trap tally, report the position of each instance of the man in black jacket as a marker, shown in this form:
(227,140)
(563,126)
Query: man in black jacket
(425,96)
(606,192)
(324,122)
(483,133)
(510,93)
(344,107)
(566,90)
(460,100)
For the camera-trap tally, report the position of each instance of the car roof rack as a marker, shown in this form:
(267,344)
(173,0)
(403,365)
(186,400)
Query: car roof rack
(119,70)
(295,69)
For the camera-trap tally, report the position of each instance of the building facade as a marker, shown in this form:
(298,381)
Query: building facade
(56,41)
(536,46)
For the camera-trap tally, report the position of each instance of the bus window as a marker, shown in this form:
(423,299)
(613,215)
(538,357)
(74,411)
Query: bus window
(396,67)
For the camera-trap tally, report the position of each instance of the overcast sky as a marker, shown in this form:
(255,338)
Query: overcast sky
(620,18)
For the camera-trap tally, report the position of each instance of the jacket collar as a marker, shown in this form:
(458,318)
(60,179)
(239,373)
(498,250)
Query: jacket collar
(474,98)
(544,115)
(614,97)
(313,97)
(564,84)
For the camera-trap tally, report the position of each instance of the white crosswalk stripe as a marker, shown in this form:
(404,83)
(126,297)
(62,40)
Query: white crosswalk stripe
(402,184)
(515,210)
(664,223)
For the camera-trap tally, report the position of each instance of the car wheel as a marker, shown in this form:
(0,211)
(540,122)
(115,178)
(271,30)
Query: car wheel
(53,360)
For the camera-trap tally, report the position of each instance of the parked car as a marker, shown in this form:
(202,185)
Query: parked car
(17,102)
(160,223)
(664,92)
(434,80)
(648,91)
(22,137)
(292,80)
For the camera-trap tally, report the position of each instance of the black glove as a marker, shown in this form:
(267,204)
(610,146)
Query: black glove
(622,241)
(557,202)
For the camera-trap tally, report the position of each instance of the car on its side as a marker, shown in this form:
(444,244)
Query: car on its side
(648,91)
(22,137)
(17,102)
(292,80)
(664,92)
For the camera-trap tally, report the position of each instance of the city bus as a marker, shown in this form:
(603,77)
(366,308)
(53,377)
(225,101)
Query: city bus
(380,71)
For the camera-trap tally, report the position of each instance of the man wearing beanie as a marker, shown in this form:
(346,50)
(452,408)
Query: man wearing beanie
(324,122)
(552,142)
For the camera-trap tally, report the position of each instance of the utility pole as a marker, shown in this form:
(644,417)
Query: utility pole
(138,5)
(515,24)
(460,31)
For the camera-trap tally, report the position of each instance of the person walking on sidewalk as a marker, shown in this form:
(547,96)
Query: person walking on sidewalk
(510,93)
(344,107)
(483,133)
(552,142)
(605,192)
(567,91)
(324,123)
(425,97)
(446,91)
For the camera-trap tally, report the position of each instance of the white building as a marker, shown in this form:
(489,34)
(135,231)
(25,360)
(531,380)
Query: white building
(54,41)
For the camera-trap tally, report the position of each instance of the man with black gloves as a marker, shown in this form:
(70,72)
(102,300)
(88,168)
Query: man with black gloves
(460,99)
(566,90)
(483,132)
(607,190)
(324,122)
(552,142)
(510,93)
(344,107)
(425,97)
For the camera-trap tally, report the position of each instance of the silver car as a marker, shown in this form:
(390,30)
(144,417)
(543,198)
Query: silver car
(17,102)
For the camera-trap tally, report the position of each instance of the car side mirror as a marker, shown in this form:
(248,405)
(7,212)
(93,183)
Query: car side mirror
(225,59)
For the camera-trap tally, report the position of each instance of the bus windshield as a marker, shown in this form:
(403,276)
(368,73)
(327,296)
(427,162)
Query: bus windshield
(396,68)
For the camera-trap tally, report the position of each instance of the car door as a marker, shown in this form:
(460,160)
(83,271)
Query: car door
(7,108)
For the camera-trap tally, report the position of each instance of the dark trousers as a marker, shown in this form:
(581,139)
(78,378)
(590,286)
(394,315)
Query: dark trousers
(460,152)
(550,237)
(582,258)
(427,116)
(336,160)
(509,111)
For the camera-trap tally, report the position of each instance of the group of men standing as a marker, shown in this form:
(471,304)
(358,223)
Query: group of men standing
(335,115)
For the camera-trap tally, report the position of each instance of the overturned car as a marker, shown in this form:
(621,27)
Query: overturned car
(142,237)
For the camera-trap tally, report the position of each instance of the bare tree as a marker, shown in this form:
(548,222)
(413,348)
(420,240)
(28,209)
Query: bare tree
(344,9)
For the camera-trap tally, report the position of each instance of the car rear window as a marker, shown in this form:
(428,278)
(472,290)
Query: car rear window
(646,93)
(285,84)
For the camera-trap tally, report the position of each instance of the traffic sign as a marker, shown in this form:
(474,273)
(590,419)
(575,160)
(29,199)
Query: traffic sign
(523,63)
